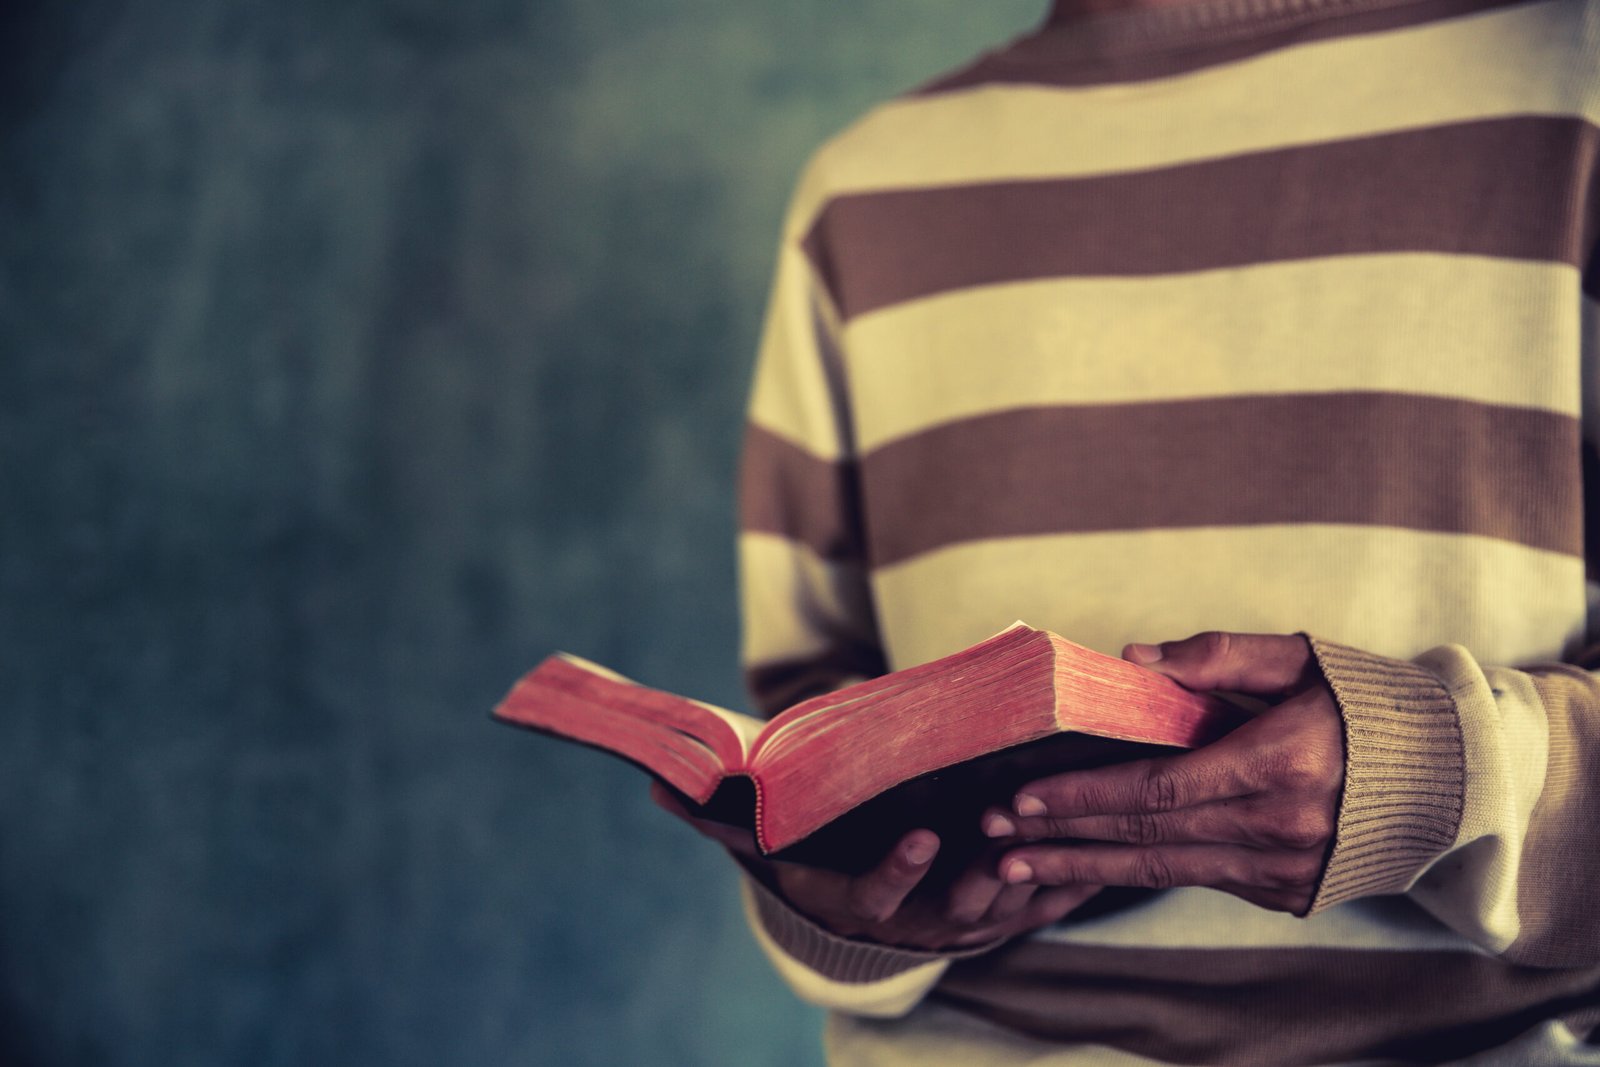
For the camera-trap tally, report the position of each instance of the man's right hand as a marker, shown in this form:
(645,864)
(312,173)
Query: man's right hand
(881,906)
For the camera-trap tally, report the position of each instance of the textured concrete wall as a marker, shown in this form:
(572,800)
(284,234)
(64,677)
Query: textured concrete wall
(353,355)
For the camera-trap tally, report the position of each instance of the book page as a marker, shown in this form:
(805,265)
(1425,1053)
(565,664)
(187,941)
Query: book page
(580,699)
(746,727)
(799,719)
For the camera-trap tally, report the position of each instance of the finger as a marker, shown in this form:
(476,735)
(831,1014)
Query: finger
(1047,905)
(878,894)
(1295,901)
(1050,904)
(973,893)
(1166,783)
(997,823)
(1150,868)
(1010,902)
(667,800)
(1222,822)
(1257,664)
(733,838)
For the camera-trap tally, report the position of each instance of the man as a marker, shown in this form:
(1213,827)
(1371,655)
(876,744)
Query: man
(1262,320)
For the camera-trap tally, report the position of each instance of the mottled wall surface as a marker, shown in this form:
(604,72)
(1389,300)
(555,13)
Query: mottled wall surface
(352,356)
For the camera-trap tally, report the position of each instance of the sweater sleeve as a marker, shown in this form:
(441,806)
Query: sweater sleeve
(1476,790)
(807,610)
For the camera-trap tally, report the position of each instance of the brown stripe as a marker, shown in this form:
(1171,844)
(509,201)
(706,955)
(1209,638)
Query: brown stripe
(1257,1006)
(831,362)
(1162,42)
(1558,881)
(785,490)
(1589,246)
(1514,188)
(784,683)
(1387,459)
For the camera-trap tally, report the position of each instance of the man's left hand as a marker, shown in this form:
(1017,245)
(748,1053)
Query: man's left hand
(1251,814)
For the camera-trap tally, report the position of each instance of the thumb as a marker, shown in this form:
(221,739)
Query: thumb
(1254,664)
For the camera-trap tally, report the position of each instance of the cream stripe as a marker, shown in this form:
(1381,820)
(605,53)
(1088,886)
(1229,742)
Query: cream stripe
(1411,323)
(795,603)
(791,395)
(1506,739)
(1389,591)
(1205,918)
(1319,91)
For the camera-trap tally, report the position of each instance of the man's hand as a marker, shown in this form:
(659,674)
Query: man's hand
(882,906)
(1251,814)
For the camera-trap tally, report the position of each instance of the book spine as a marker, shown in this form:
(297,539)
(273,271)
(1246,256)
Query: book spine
(759,819)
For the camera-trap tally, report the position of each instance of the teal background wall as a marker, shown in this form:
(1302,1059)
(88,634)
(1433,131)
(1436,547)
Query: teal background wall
(353,355)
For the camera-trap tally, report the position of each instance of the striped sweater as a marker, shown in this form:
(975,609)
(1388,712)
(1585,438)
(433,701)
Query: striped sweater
(1251,315)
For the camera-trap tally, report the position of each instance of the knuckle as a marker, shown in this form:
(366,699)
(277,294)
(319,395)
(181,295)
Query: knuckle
(1290,873)
(1258,770)
(1097,796)
(1138,829)
(1158,791)
(1304,829)
(1240,870)
(1302,767)
(1152,870)
(1215,644)
(1052,828)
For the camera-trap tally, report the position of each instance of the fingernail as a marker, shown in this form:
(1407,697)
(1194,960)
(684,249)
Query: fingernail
(1145,654)
(997,825)
(1019,871)
(920,852)
(1028,805)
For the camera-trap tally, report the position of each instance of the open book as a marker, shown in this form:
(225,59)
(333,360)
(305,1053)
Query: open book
(836,778)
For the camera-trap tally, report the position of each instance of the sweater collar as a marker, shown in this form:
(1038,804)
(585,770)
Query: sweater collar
(1181,23)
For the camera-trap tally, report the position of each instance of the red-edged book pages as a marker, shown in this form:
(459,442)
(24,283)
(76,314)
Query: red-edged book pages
(964,730)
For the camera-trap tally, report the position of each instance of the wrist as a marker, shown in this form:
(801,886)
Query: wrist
(1404,784)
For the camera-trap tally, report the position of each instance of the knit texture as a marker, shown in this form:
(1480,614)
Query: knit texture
(1404,773)
(840,958)
(1265,318)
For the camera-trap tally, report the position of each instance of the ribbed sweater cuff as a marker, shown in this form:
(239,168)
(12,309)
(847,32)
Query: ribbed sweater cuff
(839,958)
(1405,779)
